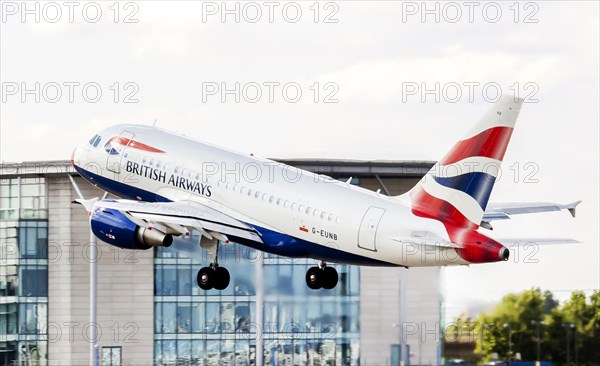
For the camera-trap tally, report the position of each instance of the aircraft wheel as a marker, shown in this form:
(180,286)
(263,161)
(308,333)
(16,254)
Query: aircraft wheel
(330,278)
(206,278)
(314,277)
(222,278)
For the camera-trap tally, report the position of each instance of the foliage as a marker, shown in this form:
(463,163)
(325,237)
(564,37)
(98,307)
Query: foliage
(576,323)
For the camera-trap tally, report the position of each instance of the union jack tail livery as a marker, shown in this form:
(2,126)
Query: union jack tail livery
(457,189)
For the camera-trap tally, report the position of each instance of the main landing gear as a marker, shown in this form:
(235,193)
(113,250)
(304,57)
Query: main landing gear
(321,277)
(213,276)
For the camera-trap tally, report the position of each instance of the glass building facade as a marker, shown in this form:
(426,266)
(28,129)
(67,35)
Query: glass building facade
(299,326)
(23,271)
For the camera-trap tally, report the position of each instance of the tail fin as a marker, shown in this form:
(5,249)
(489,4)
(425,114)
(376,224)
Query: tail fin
(457,189)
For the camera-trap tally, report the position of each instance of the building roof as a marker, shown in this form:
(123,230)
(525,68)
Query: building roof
(333,167)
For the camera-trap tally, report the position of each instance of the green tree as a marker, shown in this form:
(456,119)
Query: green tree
(513,318)
(566,331)
(574,330)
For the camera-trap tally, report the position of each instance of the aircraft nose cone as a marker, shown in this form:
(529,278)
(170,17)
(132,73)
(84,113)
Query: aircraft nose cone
(74,156)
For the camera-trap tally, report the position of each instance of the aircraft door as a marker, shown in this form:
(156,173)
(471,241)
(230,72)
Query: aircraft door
(368,228)
(115,148)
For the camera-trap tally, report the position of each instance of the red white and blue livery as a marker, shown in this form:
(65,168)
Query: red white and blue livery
(172,184)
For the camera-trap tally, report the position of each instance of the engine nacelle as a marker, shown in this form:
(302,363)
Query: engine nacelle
(114,228)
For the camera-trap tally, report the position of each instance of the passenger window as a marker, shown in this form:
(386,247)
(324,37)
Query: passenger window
(97,141)
(265,197)
(301,208)
(323,214)
(249,192)
(308,210)
(294,206)
(243,190)
(257,194)
(271,199)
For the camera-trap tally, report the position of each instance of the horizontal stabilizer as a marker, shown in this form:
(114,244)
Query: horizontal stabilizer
(502,211)
(520,242)
(425,241)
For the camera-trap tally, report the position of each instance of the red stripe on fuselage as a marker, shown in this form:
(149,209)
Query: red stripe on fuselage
(490,143)
(135,144)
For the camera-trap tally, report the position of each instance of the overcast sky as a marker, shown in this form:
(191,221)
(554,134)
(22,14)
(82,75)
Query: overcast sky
(370,60)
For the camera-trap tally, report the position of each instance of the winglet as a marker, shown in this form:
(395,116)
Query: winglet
(572,206)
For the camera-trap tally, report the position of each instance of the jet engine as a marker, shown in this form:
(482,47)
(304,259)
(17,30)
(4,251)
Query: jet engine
(114,228)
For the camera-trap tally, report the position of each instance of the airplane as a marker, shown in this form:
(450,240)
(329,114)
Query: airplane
(170,185)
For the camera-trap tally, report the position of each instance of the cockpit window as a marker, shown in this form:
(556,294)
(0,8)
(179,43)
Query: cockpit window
(95,140)
(111,146)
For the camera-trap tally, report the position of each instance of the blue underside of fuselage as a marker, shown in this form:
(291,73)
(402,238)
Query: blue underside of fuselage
(273,242)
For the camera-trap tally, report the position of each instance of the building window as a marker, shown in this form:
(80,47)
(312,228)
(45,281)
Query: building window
(9,198)
(34,281)
(23,271)
(8,281)
(111,356)
(23,198)
(219,327)
(8,319)
(33,240)
(33,318)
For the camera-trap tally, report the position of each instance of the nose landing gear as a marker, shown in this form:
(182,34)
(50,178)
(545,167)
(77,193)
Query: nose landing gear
(321,277)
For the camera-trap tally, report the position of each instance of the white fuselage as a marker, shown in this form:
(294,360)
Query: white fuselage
(329,217)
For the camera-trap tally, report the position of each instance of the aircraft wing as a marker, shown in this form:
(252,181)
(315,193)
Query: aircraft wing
(178,218)
(503,211)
